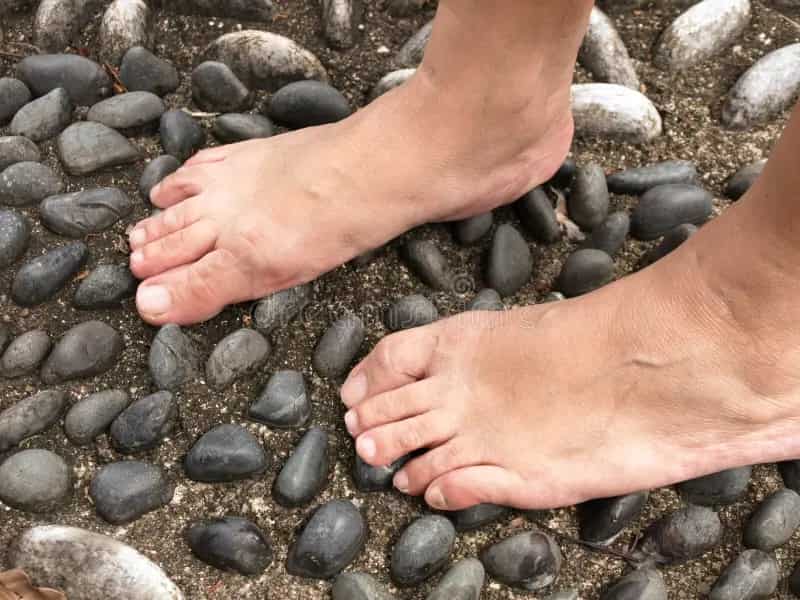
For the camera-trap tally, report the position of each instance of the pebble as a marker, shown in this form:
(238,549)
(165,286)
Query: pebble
(753,575)
(602,521)
(643,584)
(359,586)
(181,135)
(58,24)
(671,240)
(410,55)
(124,491)
(794,581)
(5,337)
(725,487)
(464,581)
(90,417)
(683,535)
(216,88)
(13,95)
(284,403)
(144,423)
(338,346)
(471,231)
(231,544)
(244,10)
(610,235)
(665,207)
(409,312)
(538,216)
(429,264)
(86,82)
(376,479)
(27,183)
(44,118)
(486,299)
(279,309)
(24,355)
(340,21)
(404,8)
(332,539)
(233,127)
(79,214)
(588,201)
(604,55)
(227,452)
(307,104)
(423,550)
(741,181)
(42,277)
(127,111)
(30,416)
(105,287)
(155,172)
(57,553)
(614,111)
(477,516)
(390,81)
(585,271)
(637,181)
(86,350)
(510,264)
(143,71)
(16,149)
(239,354)
(174,361)
(306,471)
(774,521)
(264,60)
(125,25)
(35,481)
(86,147)
(765,90)
(790,473)
(529,560)
(15,233)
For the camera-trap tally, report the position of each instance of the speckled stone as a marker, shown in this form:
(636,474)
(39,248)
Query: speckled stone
(35,481)
(773,522)
(15,149)
(24,355)
(29,417)
(44,118)
(86,350)
(15,233)
(173,361)
(239,354)
(105,287)
(13,95)
(27,183)
(423,550)
(753,575)
(682,535)
(86,147)
(124,491)
(127,111)
(145,423)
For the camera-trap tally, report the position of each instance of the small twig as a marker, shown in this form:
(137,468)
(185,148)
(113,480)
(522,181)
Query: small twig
(201,115)
(591,546)
(35,49)
(11,55)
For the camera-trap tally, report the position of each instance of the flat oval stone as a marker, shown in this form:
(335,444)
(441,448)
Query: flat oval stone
(181,135)
(16,149)
(13,95)
(15,233)
(307,104)
(725,487)
(585,271)
(510,264)
(738,185)
(358,586)
(410,55)
(409,312)
(216,88)
(225,453)
(27,183)
(29,417)
(477,516)
(610,235)
(142,71)
(608,110)
(537,214)
(487,299)
(105,287)
(774,521)
(665,207)
(86,82)
(79,214)
(305,473)
(422,550)
(602,521)
(155,172)
(42,277)
(35,481)
(86,147)
(44,118)
(125,25)
(376,479)
(471,231)
(604,55)
(464,581)
(284,403)
(234,127)
(683,535)
(530,560)
(86,350)
(338,346)
(126,111)
(281,308)
(125,491)
(331,539)
(24,355)
(642,584)
(637,181)
(145,423)
(231,544)
(670,242)
(173,361)
(588,202)
(92,416)
(390,81)
(241,353)
(753,575)
(428,263)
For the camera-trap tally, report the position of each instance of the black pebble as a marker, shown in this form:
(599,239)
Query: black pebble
(173,361)
(610,235)
(602,521)
(216,88)
(428,263)
(225,453)
(487,299)
(510,263)
(85,81)
(86,350)
(665,207)
(234,127)
(643,584)
(637,181)
(537,214)
(145,423)
(16,149)
(423,550)
(15,233)
(90,417)
(24,355)
(790,473)
(794,580)
(471,231)
(725,487)
(376,479)
(753,575)
(773,522)
(238,354)
(105,287)
(741,181)
(42,277)
(683,535)
(670,242)
(13,95)
(529,560)
(155,172)
(588,201)
(585,271)
(306,471)
(27,183)
(308,103)
(181,135)
(409,312)
(477,516)
(464,581)
(358,586)
(79,214)
(142,71)
(280,308)
(338,346)
(124,491)
(44,118)
(565,175)
(231,544)
(284,403)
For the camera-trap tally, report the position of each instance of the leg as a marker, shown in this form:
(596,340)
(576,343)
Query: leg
(461,137)
(689,367)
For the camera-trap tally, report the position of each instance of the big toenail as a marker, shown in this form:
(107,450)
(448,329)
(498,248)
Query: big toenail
(354,389)
(401,482)
(137,237)
(351,421)
(366,448)
(154,300)
(436,499)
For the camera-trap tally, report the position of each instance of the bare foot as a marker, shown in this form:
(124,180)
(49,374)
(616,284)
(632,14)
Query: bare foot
(245,220)
(684,369)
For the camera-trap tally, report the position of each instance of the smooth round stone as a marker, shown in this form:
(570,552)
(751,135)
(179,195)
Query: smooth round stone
(231,544)
(305,473)
(86,350)
(35,481)
(125,491)
(428,263)
(333,537)
(605,110)
(145,423)
(774,521)
(794,580)
(13,95)
(473,230)
(683,535)
(588,202)
(24,355)
(422,550)
(790,473)
(126,111)
(610,235)
(86,147)
(477,516)
(142,71)
(753,575)
(643,584)
(338,346)
(538,216)
(44,118)
(464,581)
(16,149)
(637,181)
(671,240)
(410,55)
(376,479)
(602,521)
(181,135)
(390,81)
(358,586)
(510,264)
(565,174)
(741,181)
(125,24)
(216,88)
(27,183)
(281,308)
(42,277)
(284,403)
(29,417)
(225,453)
(665,207)
(85,81)
(241,353)
(155,172)
(235,127)
(585,271)
(15,233)
(92,416)
(173,361)
(725,487)
(409,312)
(530,560)
(604,55)
(308,103)
(487,299)
(79,214)
(105,287)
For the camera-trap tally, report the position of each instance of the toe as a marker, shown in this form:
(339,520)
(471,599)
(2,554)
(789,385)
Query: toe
(180,185)
(406,402)
(464,488)
(175,249)
(216,154)
(169,221)
(415,477)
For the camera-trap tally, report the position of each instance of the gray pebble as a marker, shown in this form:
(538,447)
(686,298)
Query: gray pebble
(86,350)
(610,235)
(410,55)
(144,424)
(683,535)
(588,201)
(477,516)
(358,586)
(35,481)
(90,417)
(174,361)
(604,55)
(306,471)
(125,25)
(340,22)
(338,346)
(643,584)
(15,233)
(607,110)
(142,71)
(409,312)
(510,263)
(44,118)
(423,550)
(42,277)
(774,521)
(473,230)
(241,353)
(27,183)
(127,111)
(284,403)
(24,355)
(86,82)
(181,135)
(105,287)
(30,416)
(125,491)
(225,453)
(86,147)
(428,263)
(231,544)
(307,104)
(79,214)
(671,240)
(753,575)
(741,181)
(233,127)
(16,149)
(390,81)
(665,207)
(538,216)
(279,309)
(376,479)
(530,560)
(641,179)
(486,299)
(216,88)
(794,580)
(725,487)
(602,521)
(585,271)
(13,95)
(464,581)
(155,172)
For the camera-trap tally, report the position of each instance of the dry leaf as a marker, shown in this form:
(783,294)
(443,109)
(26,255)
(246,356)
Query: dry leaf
(16,585)
(572,231)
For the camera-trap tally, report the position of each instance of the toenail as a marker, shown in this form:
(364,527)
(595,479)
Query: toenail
(351,421)
(137,257)
(401,482)
(137,237)
(366,448)
(154,300)
(436,499)
(354,389)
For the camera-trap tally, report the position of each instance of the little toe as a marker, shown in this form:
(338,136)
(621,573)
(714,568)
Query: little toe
(175,249)
(403,403)
(415,477)
(470,486)
(184,183)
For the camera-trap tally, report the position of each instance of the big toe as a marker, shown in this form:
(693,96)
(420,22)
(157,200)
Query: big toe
(470,486)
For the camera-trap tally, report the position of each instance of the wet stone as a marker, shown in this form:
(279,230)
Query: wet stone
(85,81)
(670,242)
(477,516)
(42,277)
(610,235)
(358,586)
(44,118)
(15,233)
(145,423)
(105,287)
(13,95)
(376,479)
(585,271)
(231,544)
(241,353)
(127,111)
(538,216)
(280,308)
(24,355)
(422,550)
(338,347)
(683,535)
(602,521)
(530,560)
(79,214)
(216,88)
(510,263)
(644,584)
(473,230)
(665,207)
(28,183)
(409,312)
(308,103)
(35,481)
(142,71)
(464,581)
(234,127)
(86,350)
(637,181)
(86,147)
(181,135)
(90,417)
(741,181)
(125,491)
(284,403)
(774,521)
(29,417)
(725,487)
(155,172)
(753,575)
(588,201)
(306,471)
(487,299)
(16,149)
(225,453)
(173,361)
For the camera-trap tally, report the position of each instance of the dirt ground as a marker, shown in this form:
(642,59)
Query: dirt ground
(690,104)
